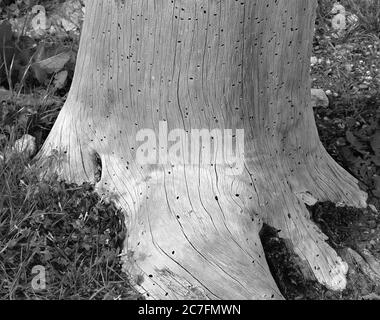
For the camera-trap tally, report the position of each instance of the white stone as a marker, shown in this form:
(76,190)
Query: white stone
(319,98)
(26,145)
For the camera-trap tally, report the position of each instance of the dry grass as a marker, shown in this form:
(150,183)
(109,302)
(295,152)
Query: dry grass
(368,13)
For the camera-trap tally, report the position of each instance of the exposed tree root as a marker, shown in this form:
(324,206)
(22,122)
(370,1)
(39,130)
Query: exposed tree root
(193,232)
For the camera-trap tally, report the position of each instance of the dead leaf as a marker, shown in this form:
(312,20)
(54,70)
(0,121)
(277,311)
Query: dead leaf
(44,67)
(55,63)
(60,79)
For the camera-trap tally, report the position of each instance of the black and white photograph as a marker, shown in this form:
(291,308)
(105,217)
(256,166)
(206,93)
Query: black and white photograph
(210,152)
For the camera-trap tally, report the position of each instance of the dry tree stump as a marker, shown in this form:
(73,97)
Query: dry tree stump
(193,230)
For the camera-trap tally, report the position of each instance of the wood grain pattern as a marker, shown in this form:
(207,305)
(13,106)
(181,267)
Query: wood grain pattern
(193,231)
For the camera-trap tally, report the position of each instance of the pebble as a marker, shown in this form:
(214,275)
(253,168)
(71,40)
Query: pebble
(319,98)
(373,208)
(313,61)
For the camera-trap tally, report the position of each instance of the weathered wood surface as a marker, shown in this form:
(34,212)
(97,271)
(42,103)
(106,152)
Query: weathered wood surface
(193,231)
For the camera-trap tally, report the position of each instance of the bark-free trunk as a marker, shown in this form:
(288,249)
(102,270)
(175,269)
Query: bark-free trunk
(193,230)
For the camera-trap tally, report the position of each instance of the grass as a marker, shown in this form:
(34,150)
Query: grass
(368,13)
(65,230)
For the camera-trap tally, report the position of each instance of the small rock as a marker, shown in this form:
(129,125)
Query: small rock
(319,98)
(341,126)
(26,145)
(313,61)
(60,79)
(373,208)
